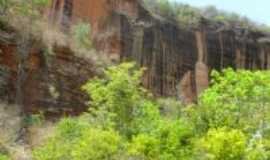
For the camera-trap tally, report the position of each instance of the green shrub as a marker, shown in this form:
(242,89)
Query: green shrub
(29,8)
(60,145)
(147,118)
(170,107)
(188,16)
(258,147)
(222,144)
(97,144)
(175,139)
(236,99)
(118,96)
(76,140)
(170,139)
(4,157)
(81,34)
(144,146)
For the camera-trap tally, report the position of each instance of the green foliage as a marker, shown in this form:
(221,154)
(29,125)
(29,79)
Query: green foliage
(77,140)
(60,145)
(264,28)
(34,119)
(4,4)
(144,146)
(4,157)
(164,7)
(119,104)
(230,121)
(170,107)
(167,141)
(223,144)
(119,94)
(24,8)
(188,16)
(81,33)
(258,148)
(96,144)
(183,13)
(238,100)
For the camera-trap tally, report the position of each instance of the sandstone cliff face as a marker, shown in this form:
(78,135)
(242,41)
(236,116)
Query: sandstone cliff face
(47,82)
(178,61)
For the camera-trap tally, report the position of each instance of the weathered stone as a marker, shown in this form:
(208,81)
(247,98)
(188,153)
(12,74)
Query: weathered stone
(178,60)
(187,92)
(51,83)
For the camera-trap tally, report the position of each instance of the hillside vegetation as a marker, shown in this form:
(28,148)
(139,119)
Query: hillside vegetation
(124,121)
(189,16)
(230,121)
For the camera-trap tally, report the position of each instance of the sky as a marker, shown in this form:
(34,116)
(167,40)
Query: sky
(256,10)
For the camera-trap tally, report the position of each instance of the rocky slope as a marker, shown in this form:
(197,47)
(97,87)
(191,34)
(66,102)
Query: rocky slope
(178,60)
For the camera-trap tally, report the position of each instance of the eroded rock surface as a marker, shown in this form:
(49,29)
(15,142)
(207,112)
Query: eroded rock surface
(172,54)
(178,61)
(50,83)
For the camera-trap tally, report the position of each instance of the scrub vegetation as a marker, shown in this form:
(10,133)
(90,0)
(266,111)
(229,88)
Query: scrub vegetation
(189,16)
(230,121)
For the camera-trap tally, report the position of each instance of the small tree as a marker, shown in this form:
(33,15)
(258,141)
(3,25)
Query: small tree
(119,94)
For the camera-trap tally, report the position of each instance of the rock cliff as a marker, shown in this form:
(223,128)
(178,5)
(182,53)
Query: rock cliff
(178,61)
(44,82)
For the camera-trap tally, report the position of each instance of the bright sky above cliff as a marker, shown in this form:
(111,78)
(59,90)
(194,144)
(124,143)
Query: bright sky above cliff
(258,11)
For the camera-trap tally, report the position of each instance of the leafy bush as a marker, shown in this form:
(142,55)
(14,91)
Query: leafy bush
(119,94)
(258,148)
(186,15)
(144,146)
(170,107)
(61,144)
(237,99)
(169,140)
(223,144)
(96,144)
(4,157)
(77,140)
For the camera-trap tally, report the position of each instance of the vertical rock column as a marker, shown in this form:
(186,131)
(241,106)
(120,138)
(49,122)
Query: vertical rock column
(201,69)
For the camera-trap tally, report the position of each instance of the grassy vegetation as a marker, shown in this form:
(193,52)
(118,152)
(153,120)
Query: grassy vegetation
(189,16)
(230,122)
